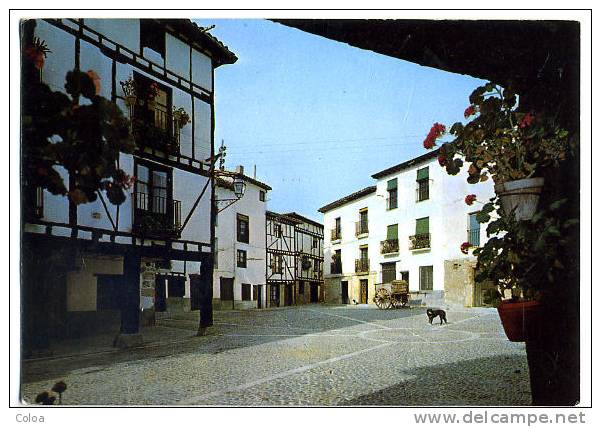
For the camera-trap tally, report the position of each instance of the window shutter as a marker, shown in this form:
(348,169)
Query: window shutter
(423,173)
(392,232)
(392,184)
(422,226)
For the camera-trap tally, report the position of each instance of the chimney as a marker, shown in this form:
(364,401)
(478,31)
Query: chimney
(255,172)
(240,169)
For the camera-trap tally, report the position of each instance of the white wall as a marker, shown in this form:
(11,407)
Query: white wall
(254,273)
(186,185)
(447,212)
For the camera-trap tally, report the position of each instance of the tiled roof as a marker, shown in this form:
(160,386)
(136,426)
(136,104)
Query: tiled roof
(302,218)
(405,165)
(221,54)
(356,195)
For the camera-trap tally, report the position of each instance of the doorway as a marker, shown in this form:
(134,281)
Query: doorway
(274,295)
(314,293)
(258,295)
(363,291)
(344,291)
(226,289)
(287,294)
(195,292)
(160,293)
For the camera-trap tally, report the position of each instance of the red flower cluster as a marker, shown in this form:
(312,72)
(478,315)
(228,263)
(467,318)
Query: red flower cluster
(465,247)
(435,132)
(153,90)
(124,180)
(442,161)
(470,199)
(527,120)
(469,111)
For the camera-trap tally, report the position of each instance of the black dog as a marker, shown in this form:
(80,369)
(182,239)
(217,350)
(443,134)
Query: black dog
(432,313)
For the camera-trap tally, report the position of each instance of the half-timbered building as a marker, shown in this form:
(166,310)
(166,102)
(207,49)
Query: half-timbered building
(98,267)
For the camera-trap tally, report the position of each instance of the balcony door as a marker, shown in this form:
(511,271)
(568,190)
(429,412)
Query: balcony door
(153,196)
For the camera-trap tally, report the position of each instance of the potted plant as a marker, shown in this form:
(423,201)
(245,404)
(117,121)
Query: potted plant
(129,91)
(153,92)
(37,53)
(180,119)
(505,144)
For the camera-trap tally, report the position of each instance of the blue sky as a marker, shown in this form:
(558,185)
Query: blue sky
(318,117)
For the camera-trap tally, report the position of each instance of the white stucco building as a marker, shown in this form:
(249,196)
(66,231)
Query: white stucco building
(405,226)
(154,250)
(239,270)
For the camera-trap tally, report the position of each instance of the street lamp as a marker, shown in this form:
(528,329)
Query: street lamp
(239,187)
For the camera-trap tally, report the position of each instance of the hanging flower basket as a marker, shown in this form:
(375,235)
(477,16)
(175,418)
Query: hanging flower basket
(520,196)
(521,319)
(130,100)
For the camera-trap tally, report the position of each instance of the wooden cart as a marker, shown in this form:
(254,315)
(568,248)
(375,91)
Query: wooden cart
(392,295)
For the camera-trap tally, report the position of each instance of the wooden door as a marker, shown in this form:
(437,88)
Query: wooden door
(344,291)
(314,293)
(160,294)
(226,288)
(288,295)
(363,291)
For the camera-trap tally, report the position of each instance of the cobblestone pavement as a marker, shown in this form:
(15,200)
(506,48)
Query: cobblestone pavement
(307,355)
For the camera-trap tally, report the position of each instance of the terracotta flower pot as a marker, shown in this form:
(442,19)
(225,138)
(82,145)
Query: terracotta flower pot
(521,320)
(520,196)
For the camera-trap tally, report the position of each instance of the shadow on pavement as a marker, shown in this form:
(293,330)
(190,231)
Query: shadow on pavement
(471,383)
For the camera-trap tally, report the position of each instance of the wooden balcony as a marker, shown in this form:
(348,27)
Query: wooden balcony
(156,216)
(419,241)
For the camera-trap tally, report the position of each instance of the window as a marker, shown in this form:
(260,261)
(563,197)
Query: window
(245,292)
(388,272)
(154,207)
(392,201)
(337,231)
(261,196)
(154,108)
(316,265)
(315,244)
(242,228)
(241,259)
(336,265)
(277,230)
(473,231)
(423,184)
(422,226)
(277,264)
(425,278)
(392,232)
(364,252)
(152,36)
(362,227)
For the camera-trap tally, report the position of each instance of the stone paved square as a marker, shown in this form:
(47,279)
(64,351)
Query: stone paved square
(314,355)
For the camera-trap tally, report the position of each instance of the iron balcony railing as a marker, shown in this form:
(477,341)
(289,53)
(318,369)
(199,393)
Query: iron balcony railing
(156,215)
(361,227)
(473,237)
(336,267)
(419,241)
(362,265)
(389,246)
(336,234)
(422,192)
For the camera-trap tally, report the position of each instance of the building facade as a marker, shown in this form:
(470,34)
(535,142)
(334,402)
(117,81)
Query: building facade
(239,270)
(120,264)
(406,226)
(294,249)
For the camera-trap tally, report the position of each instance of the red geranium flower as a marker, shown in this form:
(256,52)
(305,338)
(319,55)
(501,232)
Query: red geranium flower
(465,247)
(527,120)
(469,111)
(436,131)
(470,199)
(442,160)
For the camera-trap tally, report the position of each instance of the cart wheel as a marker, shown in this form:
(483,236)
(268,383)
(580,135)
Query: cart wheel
(382,299)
